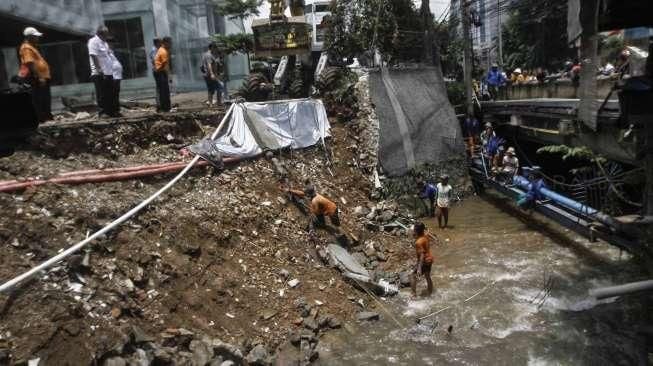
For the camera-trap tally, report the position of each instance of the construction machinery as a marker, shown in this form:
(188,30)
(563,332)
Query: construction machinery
(297,40)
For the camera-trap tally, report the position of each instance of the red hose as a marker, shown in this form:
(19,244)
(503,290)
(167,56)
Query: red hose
(114,175)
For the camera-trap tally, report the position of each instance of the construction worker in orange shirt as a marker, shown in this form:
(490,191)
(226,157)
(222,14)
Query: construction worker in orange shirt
(319,207)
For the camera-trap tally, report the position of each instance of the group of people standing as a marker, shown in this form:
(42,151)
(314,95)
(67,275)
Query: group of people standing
(106,72)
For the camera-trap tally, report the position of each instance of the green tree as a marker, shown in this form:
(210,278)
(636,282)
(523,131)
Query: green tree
(238,8)
(536,34)
(231,43)
(357,27)
(449,45)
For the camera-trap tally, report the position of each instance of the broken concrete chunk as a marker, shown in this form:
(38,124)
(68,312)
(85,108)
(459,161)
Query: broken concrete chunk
(268,314)
(202,352)
(367,316)
(258,356)
(293,283)
(139,336)
(226,351)
(113,361)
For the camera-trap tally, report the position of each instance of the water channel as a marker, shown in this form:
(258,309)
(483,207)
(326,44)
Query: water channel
(528,280)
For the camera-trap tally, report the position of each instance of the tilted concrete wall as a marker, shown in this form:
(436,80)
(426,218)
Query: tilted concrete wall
(433,130)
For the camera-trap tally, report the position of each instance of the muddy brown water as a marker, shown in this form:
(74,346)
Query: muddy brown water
(530,278)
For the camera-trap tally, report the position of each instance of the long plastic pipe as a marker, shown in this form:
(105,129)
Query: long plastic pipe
(109,177)
(50,262)
(625,289)
(523,183)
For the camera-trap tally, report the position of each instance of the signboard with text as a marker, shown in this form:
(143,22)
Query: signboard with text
(291,36)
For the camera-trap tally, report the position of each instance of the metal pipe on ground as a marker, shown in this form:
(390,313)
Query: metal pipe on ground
(625,289)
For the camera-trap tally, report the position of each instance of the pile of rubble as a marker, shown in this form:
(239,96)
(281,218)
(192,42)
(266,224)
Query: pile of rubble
(224,256)
(365,131)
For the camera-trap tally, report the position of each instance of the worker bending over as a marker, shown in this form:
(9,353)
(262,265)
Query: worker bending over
(424,259)
(319,207)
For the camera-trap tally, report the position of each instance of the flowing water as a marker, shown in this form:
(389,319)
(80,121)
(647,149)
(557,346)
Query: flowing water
(526,284)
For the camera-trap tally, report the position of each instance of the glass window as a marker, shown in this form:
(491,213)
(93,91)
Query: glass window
(68,62)
(322,8)
(308,9)
(130,46)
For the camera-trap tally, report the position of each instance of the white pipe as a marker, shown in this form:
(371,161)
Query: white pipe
(625,289)
(16,280)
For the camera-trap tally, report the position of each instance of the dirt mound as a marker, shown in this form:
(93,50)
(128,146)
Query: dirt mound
(222,256)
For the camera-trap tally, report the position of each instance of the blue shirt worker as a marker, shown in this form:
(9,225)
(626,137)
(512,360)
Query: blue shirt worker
(495,80)
(428,193)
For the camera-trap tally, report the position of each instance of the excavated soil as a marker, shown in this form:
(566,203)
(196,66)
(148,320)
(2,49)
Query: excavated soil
(208,256)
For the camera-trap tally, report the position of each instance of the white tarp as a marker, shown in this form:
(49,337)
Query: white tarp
(255,127)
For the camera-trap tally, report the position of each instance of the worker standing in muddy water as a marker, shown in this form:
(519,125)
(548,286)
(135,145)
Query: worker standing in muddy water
(424,259)
(319,207)
(444,193)
(428,193)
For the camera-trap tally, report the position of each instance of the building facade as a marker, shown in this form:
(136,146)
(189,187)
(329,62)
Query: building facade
(68,24)
(485,18)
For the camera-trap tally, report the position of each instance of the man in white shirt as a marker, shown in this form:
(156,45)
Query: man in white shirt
(510,165)
(444,194)
(102,71)
(116,68)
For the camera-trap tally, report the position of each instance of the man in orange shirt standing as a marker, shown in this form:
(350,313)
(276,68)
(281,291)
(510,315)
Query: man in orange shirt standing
(39,73)
(162,74)
(319,207)
(424,259)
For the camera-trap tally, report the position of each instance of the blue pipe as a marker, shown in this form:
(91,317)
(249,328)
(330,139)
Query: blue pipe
(576,206)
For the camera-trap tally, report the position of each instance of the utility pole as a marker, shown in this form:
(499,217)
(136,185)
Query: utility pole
(500,36)
(467,55)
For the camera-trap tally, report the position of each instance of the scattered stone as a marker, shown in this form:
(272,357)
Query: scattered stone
(367,316)
(284,273)
(113,361)
(268,314)
(334,323)
(293,283)
(404,278)
(311,323)
(226,351)
(258,356)
(360,211)
(202,352)
(139,336)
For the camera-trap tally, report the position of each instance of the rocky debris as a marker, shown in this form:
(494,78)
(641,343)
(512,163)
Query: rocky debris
(404,189)
(218,255)
(258,356)
(404,278)
(367,316)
